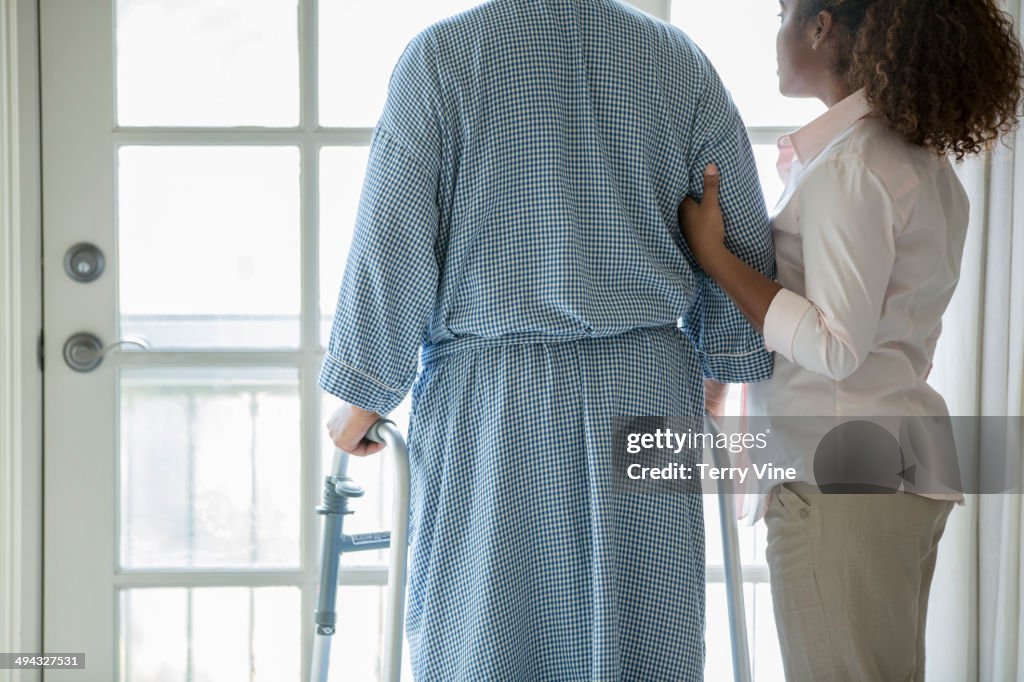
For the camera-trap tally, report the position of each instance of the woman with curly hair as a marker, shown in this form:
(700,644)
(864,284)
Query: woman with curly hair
(869,235)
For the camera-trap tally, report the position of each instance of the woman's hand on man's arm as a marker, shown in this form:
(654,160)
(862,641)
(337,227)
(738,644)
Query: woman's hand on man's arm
(703,227)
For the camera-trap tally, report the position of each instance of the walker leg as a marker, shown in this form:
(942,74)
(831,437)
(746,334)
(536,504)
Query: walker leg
(334,509)
(385,431)
(733,569)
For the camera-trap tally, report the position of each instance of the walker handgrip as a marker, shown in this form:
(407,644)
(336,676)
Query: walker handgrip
(374,434)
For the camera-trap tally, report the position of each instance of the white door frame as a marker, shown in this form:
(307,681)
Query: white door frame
(20,323)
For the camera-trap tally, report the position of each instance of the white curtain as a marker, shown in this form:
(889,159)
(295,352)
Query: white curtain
(975,633)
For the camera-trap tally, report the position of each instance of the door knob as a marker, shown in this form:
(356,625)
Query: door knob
(84,262)
(84,351)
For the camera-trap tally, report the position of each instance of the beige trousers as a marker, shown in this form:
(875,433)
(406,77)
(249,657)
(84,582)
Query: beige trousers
(850,576)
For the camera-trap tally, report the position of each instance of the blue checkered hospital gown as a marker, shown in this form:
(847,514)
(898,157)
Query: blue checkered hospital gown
(517,264)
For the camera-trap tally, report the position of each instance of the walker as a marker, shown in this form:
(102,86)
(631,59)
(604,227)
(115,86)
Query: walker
(339,488)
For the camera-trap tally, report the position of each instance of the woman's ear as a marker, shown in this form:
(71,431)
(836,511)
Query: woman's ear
(822,29)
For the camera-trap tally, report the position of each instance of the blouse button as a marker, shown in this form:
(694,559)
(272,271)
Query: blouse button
(804,514)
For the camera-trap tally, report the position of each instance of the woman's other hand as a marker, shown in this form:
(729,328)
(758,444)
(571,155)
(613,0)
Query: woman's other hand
(715,395)
(701,223)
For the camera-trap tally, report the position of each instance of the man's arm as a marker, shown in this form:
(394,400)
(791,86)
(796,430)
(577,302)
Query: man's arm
(390,282)
(730,348)
(389,285)
(704,231)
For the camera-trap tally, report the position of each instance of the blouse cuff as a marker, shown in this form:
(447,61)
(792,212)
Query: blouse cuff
(782,319)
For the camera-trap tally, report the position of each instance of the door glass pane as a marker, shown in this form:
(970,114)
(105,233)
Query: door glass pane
(750,73)
(357,650)
(208,246)
(718,656)
(341,182)
(360,634)
(209,63)
(210,465)
(210,634)
(766,156)
(360,42)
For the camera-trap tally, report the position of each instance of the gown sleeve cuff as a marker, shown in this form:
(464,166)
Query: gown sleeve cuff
(738,368)
(782,319)
(357,387)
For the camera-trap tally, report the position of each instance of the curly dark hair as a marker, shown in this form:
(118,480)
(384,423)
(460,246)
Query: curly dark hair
(946,74)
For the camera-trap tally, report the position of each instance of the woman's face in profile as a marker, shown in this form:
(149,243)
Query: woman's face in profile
(798,62)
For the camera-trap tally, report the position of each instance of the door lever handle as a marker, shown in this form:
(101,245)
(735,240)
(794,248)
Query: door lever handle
(83,352)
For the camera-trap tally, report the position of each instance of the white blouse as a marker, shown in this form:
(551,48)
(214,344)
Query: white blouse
(869,236)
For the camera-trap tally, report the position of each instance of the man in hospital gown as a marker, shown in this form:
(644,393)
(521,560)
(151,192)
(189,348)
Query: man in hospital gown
(518,239)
